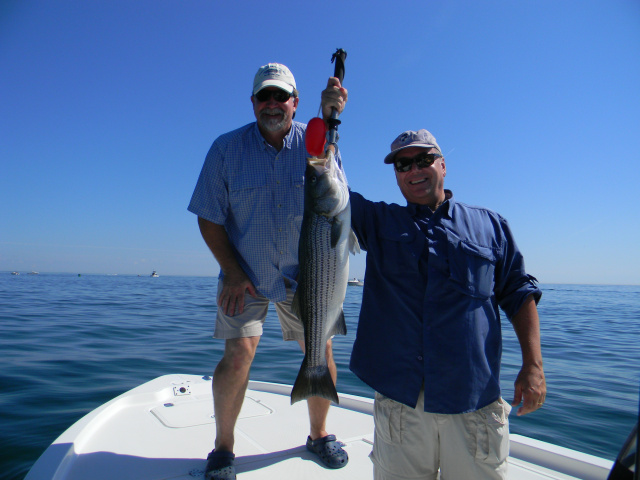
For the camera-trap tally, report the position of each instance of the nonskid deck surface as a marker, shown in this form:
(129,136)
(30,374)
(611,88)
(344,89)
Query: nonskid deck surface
(165,428)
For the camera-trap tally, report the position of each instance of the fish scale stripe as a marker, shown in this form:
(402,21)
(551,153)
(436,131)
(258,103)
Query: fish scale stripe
(324,258)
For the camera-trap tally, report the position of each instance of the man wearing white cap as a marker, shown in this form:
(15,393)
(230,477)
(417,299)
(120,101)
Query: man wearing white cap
(429,335)
(249,200)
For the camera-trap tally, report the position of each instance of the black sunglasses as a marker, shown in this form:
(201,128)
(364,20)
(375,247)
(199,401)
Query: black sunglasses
(422,160)
(278,95)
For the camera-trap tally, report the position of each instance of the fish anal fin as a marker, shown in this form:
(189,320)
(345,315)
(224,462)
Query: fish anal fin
(340,327)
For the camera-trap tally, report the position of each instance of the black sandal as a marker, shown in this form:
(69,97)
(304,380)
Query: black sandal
(220,466)
(329,450)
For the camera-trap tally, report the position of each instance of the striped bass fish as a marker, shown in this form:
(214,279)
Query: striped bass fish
(323,254)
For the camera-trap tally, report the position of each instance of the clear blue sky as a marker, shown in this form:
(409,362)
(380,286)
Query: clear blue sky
(108,108)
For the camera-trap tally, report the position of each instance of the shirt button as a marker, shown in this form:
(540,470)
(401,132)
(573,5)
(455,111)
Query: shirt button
(420,357)
(279,205)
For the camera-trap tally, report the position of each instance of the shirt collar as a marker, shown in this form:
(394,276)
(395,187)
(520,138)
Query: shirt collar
(288,139)
(446,208)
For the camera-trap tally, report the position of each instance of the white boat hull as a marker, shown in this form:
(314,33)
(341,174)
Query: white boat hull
(165,428)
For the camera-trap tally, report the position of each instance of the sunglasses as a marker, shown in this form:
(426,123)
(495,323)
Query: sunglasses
(278,95)
(422,160)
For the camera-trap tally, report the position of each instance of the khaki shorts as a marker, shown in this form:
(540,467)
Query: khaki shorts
(413,444)
(249,322)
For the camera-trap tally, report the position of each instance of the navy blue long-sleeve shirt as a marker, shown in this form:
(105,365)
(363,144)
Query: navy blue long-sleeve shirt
(430,315)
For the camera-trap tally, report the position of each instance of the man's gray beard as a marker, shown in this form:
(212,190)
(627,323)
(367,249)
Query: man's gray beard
(271,125)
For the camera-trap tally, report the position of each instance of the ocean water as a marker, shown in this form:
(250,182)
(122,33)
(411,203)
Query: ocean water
(70,343)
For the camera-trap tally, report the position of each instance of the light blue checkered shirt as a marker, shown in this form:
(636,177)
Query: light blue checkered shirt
(257,193)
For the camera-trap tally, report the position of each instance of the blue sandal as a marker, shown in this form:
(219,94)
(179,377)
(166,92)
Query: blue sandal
(329,450)
(220,466)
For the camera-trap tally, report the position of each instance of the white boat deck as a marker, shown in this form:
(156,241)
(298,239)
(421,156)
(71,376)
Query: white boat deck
(165,428)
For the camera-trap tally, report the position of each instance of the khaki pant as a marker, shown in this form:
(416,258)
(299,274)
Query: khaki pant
(412,444)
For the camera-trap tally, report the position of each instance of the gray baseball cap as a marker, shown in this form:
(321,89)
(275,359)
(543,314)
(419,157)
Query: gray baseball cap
(422,139)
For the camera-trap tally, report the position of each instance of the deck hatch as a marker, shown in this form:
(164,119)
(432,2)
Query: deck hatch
(191,412)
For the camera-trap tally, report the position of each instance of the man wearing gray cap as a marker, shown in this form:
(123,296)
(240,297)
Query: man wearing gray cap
(429,336)
(249,203)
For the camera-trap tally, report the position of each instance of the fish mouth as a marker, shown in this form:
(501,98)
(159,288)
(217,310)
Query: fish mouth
(317,162)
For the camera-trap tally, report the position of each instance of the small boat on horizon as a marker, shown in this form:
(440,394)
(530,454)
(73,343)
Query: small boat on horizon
(354,282)
(154,274)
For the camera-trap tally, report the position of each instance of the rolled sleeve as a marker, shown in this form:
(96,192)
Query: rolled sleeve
(513,284)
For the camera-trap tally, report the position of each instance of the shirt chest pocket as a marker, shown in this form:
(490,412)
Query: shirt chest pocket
(396,252)
(472,268)
(246,181)
(297,183)
(248,195)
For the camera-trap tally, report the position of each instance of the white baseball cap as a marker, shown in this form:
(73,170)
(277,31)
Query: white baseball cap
(274,75)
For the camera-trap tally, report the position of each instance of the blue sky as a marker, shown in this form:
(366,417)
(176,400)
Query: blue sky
(108,108)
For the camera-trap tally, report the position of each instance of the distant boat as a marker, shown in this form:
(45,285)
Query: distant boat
(354,282)
(154,274)
(33,273)
(15,273)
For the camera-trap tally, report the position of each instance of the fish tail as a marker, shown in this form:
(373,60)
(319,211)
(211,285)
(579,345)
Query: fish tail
(314,382)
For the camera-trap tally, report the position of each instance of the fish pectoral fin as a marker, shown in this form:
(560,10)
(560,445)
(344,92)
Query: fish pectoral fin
(340,327)
(295,303)
(336,232)
(354,245)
